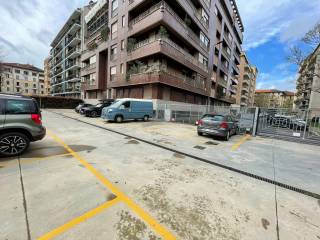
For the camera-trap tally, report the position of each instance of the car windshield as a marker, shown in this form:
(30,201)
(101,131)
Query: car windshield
(116,104)
(99,105)
(213,117)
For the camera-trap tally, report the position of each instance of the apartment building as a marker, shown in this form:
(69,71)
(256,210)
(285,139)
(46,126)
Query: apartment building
(247,82)
(22,79)
(174,50)
(308,82)
(47,69)
(65,58)
(273,98)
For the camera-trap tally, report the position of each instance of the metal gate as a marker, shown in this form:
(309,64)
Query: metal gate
(292,125)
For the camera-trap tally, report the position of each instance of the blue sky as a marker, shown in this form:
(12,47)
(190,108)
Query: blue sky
(27,28)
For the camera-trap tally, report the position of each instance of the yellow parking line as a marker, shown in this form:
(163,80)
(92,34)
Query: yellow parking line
(78,220)
(240,142)
(157,227)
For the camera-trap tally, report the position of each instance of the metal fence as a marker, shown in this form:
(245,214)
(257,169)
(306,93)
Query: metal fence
(190,113)
(287,124)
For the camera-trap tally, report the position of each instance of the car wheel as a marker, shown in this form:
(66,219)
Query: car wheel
(13,144)
(94,114)
(146,118)
(119,119)
(227,137)
(200,134)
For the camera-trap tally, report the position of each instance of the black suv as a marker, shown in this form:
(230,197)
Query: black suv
(95,111)
(20,124)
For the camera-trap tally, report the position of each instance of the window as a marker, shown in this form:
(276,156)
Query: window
(204,16)
(203,60)
(21,107)
(113,73)
(41,86)
(17,71)
(121,68)
(122,45)
(123,21)
(34,85)
(25,72)
(113,52)
(204,40)
(34,74)
(114,5)
(126,105)
(17,77)
(7,75)
(114,30)
(26,90)
(216,11)
(8,89)
(228,50)
(18,83)
(8,82)
(26,84)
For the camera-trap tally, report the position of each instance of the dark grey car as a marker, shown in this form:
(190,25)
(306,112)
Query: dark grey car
(217,125)
(20,124)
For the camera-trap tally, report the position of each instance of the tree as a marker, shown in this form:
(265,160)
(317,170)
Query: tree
(296,56)
(312,37)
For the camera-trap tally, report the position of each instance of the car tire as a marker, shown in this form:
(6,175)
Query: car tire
(146,118)
(227,137)
(200,134)
(94,114)
(17,144)
(118,119)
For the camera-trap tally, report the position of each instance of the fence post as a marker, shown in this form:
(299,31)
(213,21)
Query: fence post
(255,122)
(190,114)
(305,126)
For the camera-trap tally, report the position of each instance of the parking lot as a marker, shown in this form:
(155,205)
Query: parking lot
(89,179)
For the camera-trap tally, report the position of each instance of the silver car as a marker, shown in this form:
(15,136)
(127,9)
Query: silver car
(217,125)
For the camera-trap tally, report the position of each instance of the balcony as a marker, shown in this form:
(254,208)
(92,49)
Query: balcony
(224,68)
(225,98)
(72,65)
(222,82)
(233,89)
(75,27)
(73,78)
(245,88)
(161,12)
(167,78)
(73,40)
(73,53)
(88,69)
(168,48)
(90,87)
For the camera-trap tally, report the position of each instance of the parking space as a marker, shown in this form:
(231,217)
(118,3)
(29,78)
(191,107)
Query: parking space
(83,182)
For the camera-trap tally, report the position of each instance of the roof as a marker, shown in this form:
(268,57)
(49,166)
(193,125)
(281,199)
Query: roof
(14,96)
(287,93)
(23,66)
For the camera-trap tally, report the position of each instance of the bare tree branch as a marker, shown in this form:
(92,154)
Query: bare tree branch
(296,56)
(312,37)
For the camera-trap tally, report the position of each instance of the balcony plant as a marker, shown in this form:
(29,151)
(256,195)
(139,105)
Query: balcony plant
(130,44)
(104,33)
(163,33)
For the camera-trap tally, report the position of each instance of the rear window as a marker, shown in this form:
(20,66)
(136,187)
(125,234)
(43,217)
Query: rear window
(213,117)
(14,106)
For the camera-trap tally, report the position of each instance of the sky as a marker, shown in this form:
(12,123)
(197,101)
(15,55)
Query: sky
(27,27)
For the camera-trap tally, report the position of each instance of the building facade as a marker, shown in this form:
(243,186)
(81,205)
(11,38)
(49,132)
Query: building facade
(308,82)
(247,82)
(22,79)
(65,58)
(47,69)
(174,50)
(274,98)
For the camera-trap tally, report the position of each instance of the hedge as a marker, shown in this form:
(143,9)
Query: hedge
(57,102)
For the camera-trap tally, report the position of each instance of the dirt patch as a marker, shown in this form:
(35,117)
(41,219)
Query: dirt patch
(265,223)
(131,228)
(128,138)
(199,147)
(133,142)
(188,222)
(180,156)
(211,143)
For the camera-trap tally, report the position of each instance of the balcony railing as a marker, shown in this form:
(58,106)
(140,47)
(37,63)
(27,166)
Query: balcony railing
(73,50)
(70,39)
(72,64)
(172,46)
(164,5)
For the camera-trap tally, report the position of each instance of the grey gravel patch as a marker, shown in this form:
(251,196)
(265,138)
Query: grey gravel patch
(132,142)
(211,143)
(265,223)
(199,147)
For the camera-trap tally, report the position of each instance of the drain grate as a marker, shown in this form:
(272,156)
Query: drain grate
(211,143)
(283,185)
(199,147)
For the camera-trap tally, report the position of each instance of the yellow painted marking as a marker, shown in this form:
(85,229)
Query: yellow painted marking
(51,156)
(78,220)
(240,142)
(157,227)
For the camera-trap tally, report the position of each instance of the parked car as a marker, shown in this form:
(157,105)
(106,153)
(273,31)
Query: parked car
(128,109)
(217,125)
(20,124)
(95,110)
(299,124)
(80,106)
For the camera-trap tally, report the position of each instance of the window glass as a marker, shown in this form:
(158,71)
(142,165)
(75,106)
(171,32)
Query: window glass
(213,117)
(20,107)
(126,104)
(1,106)
(114,30)
(114,5)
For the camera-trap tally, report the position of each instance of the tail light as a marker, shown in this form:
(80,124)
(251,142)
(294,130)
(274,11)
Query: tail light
(36,118)
(200,122)
(224,125)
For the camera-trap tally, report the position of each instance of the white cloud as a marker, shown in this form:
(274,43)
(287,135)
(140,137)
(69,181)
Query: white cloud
(288,20)
(277,80)
(28,27)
